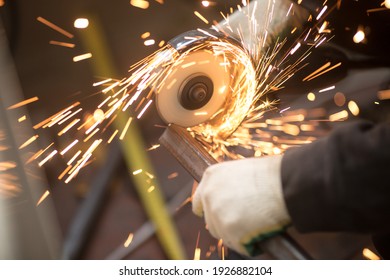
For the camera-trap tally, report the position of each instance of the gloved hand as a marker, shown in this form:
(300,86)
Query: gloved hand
(242,202)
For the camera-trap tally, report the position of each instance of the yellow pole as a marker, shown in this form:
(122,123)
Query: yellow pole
(134,151)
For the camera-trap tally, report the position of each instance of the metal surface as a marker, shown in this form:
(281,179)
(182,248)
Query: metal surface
(195,159)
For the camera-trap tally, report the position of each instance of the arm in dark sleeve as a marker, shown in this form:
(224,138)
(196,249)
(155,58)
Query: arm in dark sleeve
(341,182)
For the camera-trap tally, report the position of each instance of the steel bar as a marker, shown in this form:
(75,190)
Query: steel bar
(195,159)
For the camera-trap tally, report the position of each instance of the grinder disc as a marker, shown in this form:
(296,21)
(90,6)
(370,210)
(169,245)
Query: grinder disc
(204,77)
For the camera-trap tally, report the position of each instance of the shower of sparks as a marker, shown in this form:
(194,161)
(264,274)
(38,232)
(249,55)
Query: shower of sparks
(128,240)
(23,103)
(55,27)
(43,197)
(242,122)
(82,57)
(62,44)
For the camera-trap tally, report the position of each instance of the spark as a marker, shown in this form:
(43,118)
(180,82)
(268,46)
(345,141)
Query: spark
(66,170)
(79,166)
(39,153)
(144,109)
(46,159)
(55,27)
(289,9)
(154,147)
(81,23)
(339,99)
(22,118)
(161,44)
(368,254)
(43,197)
(202,18)
(74,157)
(384,94)
(320,42)
(311,96)
(387,4)
(55,116)
(70,116)
(62,44)
(102,82)
(6,165)
(359,36)
(150,42)
(206,3)
(284,110)
(322,12)
(353,107)
(325,71)
(378,9)
(200,114)
(82,57)
(142,4)
(327,89)
(112,136)
(128,240)
(98,115)
(28,142)
(91,135)
(150,189)
(122,136)
(23,103)
(297,46)
(145,35)
(136,172)
(70,146)
(173,175)
(68,127)
(338,116)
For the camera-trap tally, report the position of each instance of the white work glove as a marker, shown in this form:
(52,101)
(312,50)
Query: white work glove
(242,202)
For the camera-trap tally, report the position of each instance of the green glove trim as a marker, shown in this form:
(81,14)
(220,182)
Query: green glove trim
(253,247)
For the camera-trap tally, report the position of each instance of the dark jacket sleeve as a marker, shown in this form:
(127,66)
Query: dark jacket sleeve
(340,182)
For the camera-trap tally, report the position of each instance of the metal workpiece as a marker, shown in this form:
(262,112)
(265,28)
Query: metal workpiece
(187,150)
(195,159)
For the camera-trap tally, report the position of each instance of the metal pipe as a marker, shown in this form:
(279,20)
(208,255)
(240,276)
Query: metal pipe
(195,159)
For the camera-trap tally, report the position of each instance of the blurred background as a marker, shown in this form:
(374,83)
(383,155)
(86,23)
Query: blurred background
(103,212)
